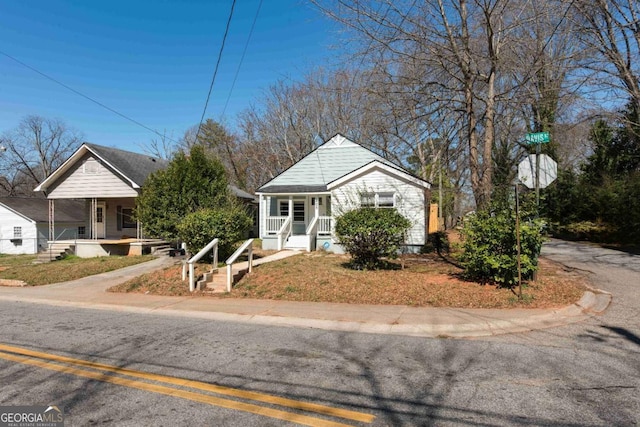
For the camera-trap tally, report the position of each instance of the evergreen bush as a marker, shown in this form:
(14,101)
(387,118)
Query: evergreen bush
(490,247)
(229,225)
(369,234)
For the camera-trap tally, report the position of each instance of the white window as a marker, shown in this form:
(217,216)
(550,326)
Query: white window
(378,200)
(386,200)
(17,232)
(368,200)
(128,220)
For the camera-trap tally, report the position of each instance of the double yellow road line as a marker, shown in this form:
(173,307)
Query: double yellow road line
(169,386)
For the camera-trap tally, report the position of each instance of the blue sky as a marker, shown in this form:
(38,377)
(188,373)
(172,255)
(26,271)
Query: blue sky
(149,60)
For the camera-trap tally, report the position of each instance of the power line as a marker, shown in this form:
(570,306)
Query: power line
(246,45)
(215,71)
(106,107)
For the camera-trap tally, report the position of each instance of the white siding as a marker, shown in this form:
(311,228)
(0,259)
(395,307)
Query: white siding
(89,178)
(29,242)
(410,199)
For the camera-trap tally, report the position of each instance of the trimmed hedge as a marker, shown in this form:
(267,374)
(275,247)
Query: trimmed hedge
(369,234)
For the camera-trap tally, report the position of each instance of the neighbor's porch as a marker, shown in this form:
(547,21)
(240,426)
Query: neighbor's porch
(301,221)
(109,229)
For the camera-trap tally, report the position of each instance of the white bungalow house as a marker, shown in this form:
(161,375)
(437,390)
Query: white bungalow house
(298,207)
(24,223)
(108,180)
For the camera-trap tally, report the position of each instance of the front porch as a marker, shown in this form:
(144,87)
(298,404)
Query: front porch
(296,221)
(109,229)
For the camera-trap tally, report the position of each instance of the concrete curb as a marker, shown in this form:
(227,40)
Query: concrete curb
(89,293)
(479,325)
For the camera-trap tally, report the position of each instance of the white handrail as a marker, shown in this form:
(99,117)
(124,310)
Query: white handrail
(248,245)
(311,232)
(311,229)
(286,227)
(212,245)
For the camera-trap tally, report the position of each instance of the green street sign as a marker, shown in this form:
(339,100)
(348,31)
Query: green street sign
(537,138)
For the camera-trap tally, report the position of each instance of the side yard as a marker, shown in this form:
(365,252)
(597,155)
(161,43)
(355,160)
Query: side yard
(15,269)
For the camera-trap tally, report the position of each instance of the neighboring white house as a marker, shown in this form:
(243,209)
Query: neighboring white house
(298,207)
(24,223)
(108,180)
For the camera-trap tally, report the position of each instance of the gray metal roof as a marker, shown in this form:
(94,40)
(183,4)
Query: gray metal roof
(37,208)
(137,167)
(332,160)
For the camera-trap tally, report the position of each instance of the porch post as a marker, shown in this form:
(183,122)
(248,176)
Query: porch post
(262,215)
(317,207)
(52,220)
(291,208)
(92,218)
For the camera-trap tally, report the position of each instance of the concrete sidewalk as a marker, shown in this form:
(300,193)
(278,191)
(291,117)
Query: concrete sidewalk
(90,292)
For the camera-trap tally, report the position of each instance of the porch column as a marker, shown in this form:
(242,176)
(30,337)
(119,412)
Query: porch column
(317,207)
(291,208)
(262,216)
(92,218)
(52,220)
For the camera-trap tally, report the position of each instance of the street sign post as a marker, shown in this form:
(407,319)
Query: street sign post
(537,138)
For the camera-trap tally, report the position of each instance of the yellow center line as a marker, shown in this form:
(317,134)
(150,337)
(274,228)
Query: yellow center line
(243,394)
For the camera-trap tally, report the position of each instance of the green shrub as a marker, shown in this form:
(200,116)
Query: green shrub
(228,224)
(369,234)
(490,247)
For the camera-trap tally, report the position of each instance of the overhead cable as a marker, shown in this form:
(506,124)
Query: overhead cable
(77,92)
(246,45)
(215,71)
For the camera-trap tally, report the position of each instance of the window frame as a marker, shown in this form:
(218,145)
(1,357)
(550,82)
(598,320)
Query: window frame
(366,202)
(131,222)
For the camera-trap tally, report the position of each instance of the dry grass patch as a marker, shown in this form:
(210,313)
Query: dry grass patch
(426,280)
(71,268)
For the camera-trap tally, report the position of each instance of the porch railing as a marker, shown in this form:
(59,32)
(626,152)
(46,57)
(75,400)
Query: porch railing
(284,232)
(274,224)
(324,226)
(212,246)
(311,233)
(246,246)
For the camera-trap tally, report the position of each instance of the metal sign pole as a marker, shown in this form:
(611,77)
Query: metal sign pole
(518,243)
(538,177)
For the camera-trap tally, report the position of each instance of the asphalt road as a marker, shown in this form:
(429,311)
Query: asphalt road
(585,374)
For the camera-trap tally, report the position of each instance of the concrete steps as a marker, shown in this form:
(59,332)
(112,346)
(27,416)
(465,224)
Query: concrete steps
(297,242)
(56,251)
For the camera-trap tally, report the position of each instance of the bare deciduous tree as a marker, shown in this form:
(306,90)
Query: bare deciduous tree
(610,30)
(33,150)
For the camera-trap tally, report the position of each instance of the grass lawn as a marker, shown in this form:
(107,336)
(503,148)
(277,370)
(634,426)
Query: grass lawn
(22,268)
(425,280)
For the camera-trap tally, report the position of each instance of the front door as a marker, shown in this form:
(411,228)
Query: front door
(100,220)
(299,224)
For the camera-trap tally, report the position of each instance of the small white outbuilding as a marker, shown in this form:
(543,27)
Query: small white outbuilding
(24,223)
